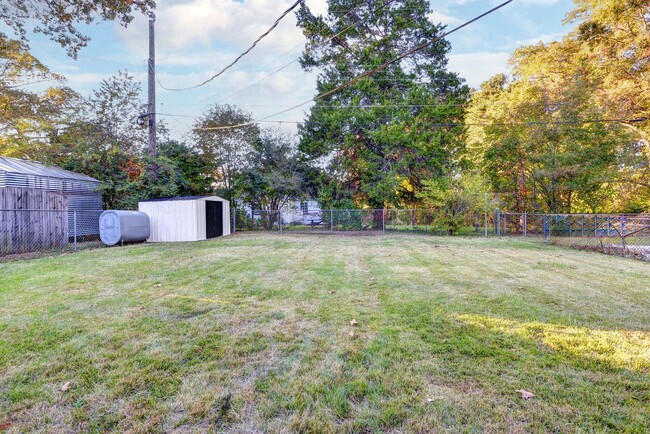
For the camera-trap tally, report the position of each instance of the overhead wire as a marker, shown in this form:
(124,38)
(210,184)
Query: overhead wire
(224,69)
(348,12)
(309,49)
(370,72)
(455,124)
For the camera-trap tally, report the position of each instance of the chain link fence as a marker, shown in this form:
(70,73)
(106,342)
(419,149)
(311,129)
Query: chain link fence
(27,233)
(624,235)
(365,221)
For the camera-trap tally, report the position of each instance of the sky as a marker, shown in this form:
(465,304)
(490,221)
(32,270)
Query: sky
(196,38)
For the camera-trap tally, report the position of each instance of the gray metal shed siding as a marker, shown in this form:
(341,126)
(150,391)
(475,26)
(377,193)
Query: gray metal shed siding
(83,192)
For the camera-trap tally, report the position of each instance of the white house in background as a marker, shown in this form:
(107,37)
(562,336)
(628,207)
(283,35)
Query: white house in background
(297,211)
(306,212)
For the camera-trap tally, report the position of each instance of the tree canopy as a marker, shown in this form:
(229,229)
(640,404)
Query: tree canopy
(272,176)
(59,19)
(568,132)
(225,150)
(381,137)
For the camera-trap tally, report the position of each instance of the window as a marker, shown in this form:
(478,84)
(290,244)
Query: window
(304,206)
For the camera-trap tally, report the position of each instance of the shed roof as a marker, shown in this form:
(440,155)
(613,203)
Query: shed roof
(27,167)
(165,199)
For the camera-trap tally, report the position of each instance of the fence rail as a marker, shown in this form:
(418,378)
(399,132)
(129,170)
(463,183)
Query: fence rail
(617,234)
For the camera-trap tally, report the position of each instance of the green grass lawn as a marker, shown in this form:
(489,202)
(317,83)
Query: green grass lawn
(252,333)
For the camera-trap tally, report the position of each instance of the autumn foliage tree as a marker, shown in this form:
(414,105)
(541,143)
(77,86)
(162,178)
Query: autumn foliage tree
(60,19)
(567,132)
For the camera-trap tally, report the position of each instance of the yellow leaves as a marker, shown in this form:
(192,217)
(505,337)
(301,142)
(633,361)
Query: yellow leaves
(17,62)
(57,95)
(406,185)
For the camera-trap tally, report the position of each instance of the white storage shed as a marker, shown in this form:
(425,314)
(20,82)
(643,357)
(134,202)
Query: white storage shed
(189,218)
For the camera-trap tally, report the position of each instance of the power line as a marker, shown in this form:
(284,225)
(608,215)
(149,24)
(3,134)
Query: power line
(327,40)
(348,12)
(450,124)
(486,124)
(447,124)
(262,36)
(353,106)
(372,71)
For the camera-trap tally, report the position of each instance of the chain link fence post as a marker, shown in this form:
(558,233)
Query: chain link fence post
(525,229)
(546,229)
(498,222)
(485,210)
(74,224)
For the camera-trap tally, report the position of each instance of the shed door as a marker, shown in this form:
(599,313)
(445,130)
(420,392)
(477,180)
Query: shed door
(213,219)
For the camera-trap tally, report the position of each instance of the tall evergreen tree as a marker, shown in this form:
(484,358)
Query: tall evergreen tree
(381,137)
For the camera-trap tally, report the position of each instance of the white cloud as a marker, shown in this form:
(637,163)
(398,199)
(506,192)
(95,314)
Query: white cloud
(215,25)
(437,17)
(478,67)
(540,2)
(545,38)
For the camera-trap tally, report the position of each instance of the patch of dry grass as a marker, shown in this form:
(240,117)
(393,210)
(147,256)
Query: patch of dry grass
(252,334)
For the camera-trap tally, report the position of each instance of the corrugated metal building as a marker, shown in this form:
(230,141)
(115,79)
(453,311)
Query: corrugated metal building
(82,192)
(189,218)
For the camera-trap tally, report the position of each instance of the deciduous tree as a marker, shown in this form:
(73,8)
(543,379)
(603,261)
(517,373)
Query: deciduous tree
(273,175)
(26,117)
(59,19)
(225,150)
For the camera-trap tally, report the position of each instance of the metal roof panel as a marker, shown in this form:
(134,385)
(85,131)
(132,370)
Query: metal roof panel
(27,167)
(165,199)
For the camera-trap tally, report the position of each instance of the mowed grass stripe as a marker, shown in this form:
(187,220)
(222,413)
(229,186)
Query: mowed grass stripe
(252,334)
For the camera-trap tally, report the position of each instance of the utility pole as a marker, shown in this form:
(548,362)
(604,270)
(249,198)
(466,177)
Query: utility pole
(151,110)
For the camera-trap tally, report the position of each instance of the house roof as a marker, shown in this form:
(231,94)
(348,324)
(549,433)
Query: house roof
(165,199)
(28,167)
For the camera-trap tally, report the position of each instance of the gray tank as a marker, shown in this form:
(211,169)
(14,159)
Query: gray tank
(123,226)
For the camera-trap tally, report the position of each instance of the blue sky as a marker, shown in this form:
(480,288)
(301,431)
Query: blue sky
(195,38)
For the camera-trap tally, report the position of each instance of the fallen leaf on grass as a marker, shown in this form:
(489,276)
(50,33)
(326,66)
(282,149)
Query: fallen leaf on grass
(5,425)
(66,386)
(239,282)
(332,292)
(158,285)
(353,322)
(525,394)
